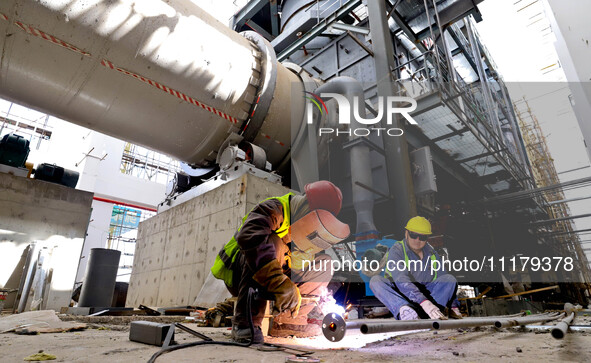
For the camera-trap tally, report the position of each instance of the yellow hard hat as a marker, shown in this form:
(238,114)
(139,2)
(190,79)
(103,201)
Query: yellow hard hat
(419,225)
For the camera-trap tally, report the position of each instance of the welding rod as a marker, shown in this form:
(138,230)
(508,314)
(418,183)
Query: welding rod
(504,323)
(559,331)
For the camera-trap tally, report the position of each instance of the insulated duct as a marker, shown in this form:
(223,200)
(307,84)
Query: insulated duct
(162,74)
(361,174)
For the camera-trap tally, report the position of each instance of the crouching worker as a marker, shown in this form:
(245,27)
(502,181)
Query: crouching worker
(413,291)
(261,255)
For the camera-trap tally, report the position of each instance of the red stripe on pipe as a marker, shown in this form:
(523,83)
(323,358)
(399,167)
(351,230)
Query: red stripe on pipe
(104,200)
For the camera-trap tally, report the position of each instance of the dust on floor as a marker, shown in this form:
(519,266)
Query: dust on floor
(109,342)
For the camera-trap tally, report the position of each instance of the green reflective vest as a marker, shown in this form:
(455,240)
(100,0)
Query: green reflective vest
(389,273)
(222,267)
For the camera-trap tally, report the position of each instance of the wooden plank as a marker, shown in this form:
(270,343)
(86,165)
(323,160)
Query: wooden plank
(527,292)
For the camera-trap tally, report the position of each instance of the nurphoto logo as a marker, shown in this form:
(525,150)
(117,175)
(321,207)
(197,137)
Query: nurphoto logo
(388,106)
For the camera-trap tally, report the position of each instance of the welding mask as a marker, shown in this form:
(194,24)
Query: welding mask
(317,231)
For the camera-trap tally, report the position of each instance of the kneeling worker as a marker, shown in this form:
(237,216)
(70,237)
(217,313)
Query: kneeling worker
(410,291)
(261,256)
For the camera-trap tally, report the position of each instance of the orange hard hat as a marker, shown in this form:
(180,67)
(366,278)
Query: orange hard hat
(324,195)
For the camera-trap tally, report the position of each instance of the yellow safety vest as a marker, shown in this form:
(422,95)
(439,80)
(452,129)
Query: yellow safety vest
(389,273)
(222,267)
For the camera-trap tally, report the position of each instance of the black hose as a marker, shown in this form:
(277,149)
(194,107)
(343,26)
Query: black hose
(192,344)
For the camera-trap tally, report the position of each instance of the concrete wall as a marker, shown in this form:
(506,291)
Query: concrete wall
(176,248)
(54,216)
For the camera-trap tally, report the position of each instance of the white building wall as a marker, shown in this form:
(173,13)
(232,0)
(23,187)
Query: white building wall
(573,34)
(97,157)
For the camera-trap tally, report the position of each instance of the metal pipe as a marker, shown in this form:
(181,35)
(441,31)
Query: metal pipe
(99,280)
(335,328)
(395,325)
(527,320)
(465,323)
(559,331)
(581,328)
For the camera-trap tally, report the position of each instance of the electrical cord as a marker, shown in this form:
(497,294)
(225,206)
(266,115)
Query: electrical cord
(251,293)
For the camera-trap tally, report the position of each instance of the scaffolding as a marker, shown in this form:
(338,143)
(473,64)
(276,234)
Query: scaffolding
(147,164)
(560,227)
(123,230)
(36,130)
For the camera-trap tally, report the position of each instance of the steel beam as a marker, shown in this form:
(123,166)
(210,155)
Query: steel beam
(318,29)
(247,12)
(352,28)
(274,18)
(461,48)
(562,219)
(396,149)
(567,232)
(525,194)
(254,26)
(567,200)
(490,153)
(461,131)
(408,31)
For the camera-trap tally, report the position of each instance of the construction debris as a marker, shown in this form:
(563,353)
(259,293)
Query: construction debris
(35,322)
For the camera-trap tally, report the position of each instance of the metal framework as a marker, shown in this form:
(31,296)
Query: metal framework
(465,117)
(123,234)
(560,224)
(148,164)
(38,129)
(464,111)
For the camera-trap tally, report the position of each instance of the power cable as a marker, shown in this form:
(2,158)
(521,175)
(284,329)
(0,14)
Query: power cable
(162,351)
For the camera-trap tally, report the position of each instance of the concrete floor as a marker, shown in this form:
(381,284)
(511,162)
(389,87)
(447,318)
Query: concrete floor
(107,339)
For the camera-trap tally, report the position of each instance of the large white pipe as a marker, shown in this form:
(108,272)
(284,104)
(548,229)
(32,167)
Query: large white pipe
(162,74)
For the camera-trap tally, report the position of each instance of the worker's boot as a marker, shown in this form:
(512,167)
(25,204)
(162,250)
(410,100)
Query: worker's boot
(300,327)
(242,334)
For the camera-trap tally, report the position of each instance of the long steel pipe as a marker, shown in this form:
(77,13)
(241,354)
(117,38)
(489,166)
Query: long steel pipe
(395,325)
(467,322)
(560,330)
(335,328)
(504,323)
(373,327)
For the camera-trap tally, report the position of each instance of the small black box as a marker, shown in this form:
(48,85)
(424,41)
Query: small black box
(149,333)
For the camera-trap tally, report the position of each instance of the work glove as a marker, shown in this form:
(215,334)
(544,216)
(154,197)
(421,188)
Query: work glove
(287,295)
(432,310)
